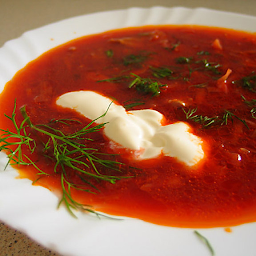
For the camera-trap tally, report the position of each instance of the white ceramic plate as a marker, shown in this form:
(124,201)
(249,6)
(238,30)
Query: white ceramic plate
(32,209)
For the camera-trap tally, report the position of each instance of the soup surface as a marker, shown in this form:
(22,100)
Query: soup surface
(203,77)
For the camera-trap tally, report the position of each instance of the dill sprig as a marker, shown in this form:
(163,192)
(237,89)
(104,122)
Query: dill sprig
(173,47)
(199,65)
(146,85)
(203,53)
(116,79)
(205,241)
(248,82)
(109,53)
(10,140)
(134,59)
(161,72)
(183,60)
(129,104)
(251,103)
(207,122)
(209,66)
(68,152)
(141,84)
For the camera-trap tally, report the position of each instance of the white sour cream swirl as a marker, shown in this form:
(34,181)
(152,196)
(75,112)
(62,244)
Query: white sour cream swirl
(139,130)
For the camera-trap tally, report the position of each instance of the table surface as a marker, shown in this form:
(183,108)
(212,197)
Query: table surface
(18,16)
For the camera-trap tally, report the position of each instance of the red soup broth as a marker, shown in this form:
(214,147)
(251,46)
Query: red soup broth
(211,70)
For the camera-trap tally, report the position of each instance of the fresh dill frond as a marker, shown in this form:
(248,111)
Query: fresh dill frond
(109,53)
(251,103)
(209,66)
(229,115)
(161,72)
(133,104)
(208,122)
(146,85)
(248,82)
(199,65)
(202,85)
(203,53)
(175,45)
(205,241)
(66,151)
(205,121)
(184,60)
(134,59)
(116,79)
(12,142)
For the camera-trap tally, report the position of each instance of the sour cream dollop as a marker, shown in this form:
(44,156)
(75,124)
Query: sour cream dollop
(139,130)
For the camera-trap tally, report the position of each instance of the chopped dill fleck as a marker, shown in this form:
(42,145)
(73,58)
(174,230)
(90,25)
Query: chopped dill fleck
(202,85)
(251,103)
(248,82)
(133,104)
(174,46)
(184,60)
(134,59)
(205,241)
(146,85)
(161,72)
(203,53)
(210,66)
(117,79)
(109,53)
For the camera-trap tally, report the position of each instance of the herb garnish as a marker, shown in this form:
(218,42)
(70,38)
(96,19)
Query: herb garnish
(133,103)
(161,72)
(205,241)
(146,85)
(15,157)
(174,46)
(248,82)
(203,53)
(66,151)
(134,59)
(207,122)
(209,66)
(117,79)
(109,53)
(184,60)
(253,112)
(203,64)
(202,85)
(251,103)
